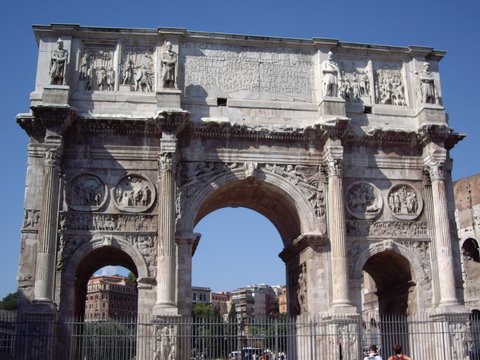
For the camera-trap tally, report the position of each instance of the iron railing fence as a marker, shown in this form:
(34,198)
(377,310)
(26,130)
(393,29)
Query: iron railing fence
(322,337)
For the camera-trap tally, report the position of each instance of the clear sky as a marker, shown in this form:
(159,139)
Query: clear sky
(449,25)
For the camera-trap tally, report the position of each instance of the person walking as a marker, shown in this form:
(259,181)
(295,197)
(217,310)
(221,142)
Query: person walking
(398,354)
(373,354)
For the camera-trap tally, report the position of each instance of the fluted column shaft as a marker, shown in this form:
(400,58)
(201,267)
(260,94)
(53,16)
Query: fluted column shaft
(47,235)
(442,236)
(166,259)
(337,234)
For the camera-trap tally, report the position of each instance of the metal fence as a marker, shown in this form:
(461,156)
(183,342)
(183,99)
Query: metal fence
(423,337)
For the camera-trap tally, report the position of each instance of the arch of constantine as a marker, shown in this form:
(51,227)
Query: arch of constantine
(137,134)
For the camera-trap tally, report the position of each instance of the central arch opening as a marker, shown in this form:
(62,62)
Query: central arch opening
(239,247)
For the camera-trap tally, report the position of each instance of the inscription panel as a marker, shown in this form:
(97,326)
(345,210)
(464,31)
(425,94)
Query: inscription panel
(276,74)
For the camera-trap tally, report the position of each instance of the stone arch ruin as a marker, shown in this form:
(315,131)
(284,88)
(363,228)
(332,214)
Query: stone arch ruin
(136,135)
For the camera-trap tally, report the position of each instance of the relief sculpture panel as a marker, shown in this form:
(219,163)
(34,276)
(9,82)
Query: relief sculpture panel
(363,200)
(390,85)
(137,68)
(134,193)
(355,81)
(86,192)
(404,202)
(97,69)
(248,71)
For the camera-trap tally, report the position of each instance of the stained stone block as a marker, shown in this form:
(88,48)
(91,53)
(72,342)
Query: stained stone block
(55,94)
(432,114)
(168,99)
(332,107)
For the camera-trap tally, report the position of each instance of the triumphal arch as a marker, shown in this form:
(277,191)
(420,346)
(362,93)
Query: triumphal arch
(137,134)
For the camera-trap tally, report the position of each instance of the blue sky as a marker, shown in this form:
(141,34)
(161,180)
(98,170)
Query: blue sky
(447,25)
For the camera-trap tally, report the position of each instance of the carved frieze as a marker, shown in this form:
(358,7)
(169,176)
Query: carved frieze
(67,244)
(363,200)
(301,289)
(84,221)
(404,202)
(97,69)
(146,244)
(137,68)
(165,341)
(389,85)
(243,70)
(354,81)
(307,178)
(404,229)
(134,193)
(86,192)
(31,219)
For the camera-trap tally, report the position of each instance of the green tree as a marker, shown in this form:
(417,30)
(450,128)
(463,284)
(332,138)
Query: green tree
(204,310)
(131,278)
(9,302)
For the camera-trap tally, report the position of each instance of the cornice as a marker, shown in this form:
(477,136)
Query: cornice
(235,39)
(117,126)
(54,118)
(32,126)
(379,137)
(439,134)
(301,243)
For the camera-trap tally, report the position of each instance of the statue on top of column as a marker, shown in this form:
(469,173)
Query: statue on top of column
(427,85)
(58,64)
(169,61)
(331,76)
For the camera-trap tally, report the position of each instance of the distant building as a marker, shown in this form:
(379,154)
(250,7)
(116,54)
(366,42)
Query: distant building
(467,216)
(282,301)
(201,295)
(221,300)
(255,301)
(110,297)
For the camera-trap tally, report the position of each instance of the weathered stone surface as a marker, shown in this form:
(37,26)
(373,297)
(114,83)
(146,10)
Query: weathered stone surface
(344,148)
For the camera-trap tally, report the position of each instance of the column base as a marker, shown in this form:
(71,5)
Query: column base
(343,308)
(165,309)
(42,306)
(449,307)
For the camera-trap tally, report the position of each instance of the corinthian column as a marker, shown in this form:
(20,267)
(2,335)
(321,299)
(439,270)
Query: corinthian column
(47,235)
(443,241)
(336,228)
(166,259)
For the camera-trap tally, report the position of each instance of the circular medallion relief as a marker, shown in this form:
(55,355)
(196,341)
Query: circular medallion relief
(404,202)
(363,200)
(134,193)
(86,192)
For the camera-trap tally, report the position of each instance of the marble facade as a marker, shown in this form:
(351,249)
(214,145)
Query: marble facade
(137,134)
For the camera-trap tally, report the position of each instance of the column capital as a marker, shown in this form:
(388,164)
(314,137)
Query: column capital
(53,155)
(166,161)
(333,159)
(436,171)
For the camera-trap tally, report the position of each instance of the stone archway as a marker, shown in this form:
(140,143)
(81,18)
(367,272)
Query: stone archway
(397,270)
(97,253)
(151,162)
(288,205)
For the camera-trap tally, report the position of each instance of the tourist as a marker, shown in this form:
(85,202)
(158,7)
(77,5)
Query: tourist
(373,354)
(397,354)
